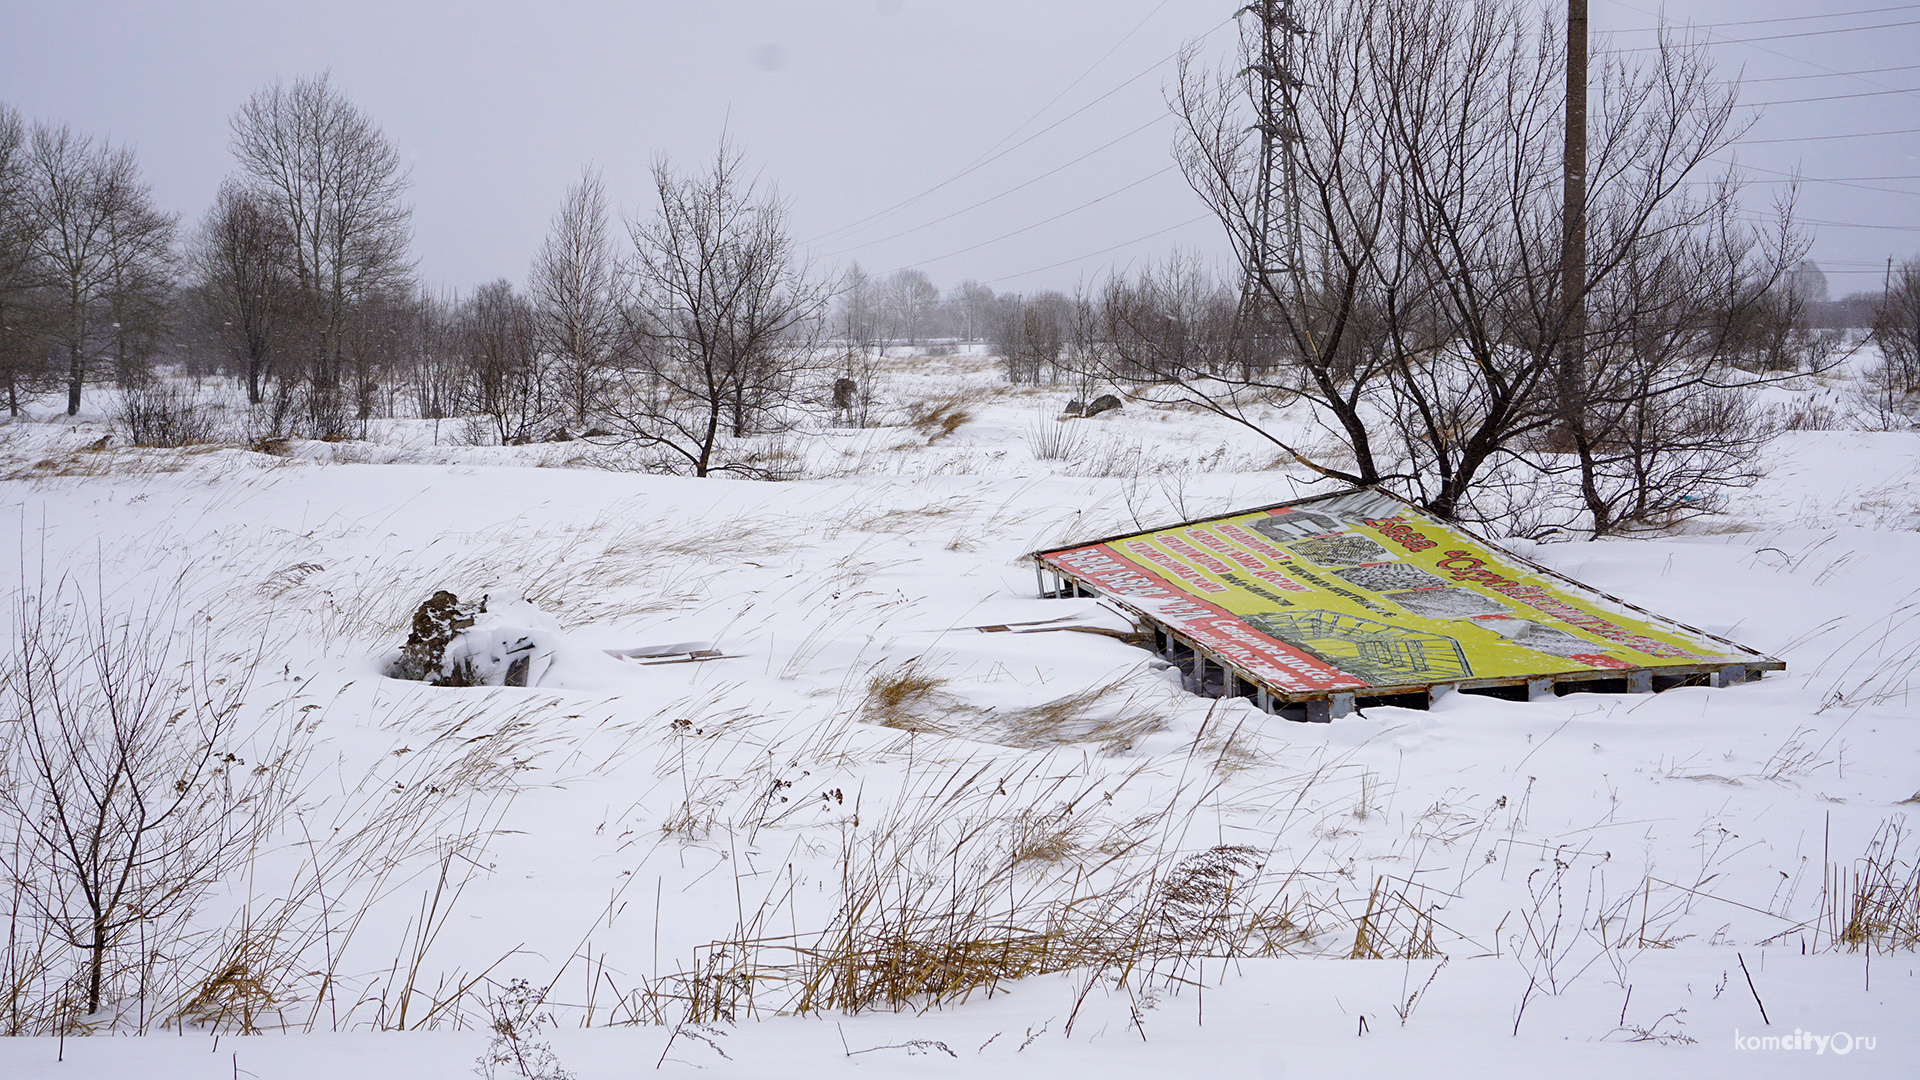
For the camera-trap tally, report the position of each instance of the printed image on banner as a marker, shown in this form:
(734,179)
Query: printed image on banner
(1362,591)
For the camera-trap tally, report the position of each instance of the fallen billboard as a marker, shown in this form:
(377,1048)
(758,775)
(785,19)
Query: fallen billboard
(1359,594)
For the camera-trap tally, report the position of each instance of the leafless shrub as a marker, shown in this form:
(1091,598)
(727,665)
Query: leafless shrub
(1896,328)
(515,1017)
(1810,415)
(166,413)
(126,789)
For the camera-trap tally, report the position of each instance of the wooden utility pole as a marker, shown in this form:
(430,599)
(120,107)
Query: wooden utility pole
(1573,214)
(1574,382)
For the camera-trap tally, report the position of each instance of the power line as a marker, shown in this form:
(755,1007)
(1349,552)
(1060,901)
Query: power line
(1102,251)
(995,157)
(1855,225)
(1782,19)
(993,198)
(1037,113)
(1833,74)
(1829,97)
(1847,182)
(1823,138)
(1784,37)
(1774,52)
(1046,221)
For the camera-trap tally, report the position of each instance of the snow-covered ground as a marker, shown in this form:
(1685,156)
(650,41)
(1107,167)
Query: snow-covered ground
(1585,885)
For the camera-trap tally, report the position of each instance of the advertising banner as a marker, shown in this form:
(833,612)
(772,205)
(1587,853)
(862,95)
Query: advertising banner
(1361,592)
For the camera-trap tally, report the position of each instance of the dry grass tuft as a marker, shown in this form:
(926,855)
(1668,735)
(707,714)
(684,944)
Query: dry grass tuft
(90,462)
(1883,902)
(1231,750)
(1392,927)
(232,999)
(1052,439)
(949,895)
(940,417)
(906,698)
(1082,717)
(1046,838)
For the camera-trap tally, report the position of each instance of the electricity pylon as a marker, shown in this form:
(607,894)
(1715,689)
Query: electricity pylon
(1275,259)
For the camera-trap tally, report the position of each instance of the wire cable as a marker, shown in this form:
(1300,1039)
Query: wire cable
(878,215)
(1823,138)
(1037,113)
(1833,74)
(993,198)
(1097,254)
(1847,182)
(1782,19)
(1781,37)
(1037,224)
(1773,52)
(1829,97)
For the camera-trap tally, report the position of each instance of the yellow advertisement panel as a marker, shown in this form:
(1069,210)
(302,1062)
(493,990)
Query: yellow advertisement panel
(1360,591)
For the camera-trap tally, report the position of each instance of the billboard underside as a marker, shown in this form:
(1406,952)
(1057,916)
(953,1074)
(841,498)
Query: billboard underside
(1359,593)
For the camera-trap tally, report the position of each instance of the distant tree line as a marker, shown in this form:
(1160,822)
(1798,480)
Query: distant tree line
(694,327)
(1424,345)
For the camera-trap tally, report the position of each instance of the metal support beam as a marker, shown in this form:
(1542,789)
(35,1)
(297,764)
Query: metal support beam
(1731,675)
(1539,689)
(1640,682)
(1340,705)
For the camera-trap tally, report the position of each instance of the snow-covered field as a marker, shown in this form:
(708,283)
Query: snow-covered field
(1581,886)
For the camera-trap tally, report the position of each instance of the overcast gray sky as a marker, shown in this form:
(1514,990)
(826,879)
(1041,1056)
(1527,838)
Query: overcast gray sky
(853,106)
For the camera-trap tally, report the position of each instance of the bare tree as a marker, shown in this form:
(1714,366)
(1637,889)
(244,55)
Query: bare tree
(124,780)
(972,305)
(1007,338)
(1031,335)
(724,314)
(576,307)
(22,369)
(101,251)
(506,381)
(912,302)
(241,260)
(857,322)
(1170,324)
(860,318)
(440,369)
(1896,329)
(1427,325)
(335,181)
